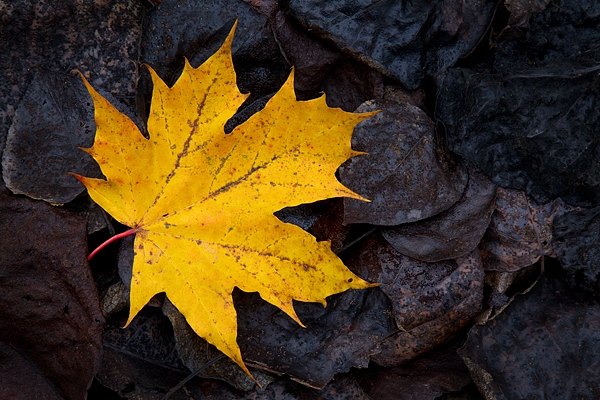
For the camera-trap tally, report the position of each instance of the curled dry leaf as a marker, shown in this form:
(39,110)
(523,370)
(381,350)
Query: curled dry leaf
(201,202)
(405,173)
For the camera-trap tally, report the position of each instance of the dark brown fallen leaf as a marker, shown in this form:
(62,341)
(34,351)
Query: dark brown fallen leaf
(101,38)
(452,233)
(350,83)
(343,387)
(405,40)
(423,378)
(141,361)
(342,335)
(520,231)
(49,301)
(21,378)
(577,245)
(431,301)
(532,129)
(330,225)
(311,59)
(195,352)
(521,11)
(54,119)
(545,344)
(406,175)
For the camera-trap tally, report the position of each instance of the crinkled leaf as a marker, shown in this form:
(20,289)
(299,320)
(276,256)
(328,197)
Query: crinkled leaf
(99,37)
(423,378)
(196,352)
(141,361)
(344,387)
(533,130)
(343,335)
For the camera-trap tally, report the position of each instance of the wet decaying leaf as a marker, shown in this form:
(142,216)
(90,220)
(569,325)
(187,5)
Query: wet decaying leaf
(342,335)
(431,301)
(330,226)
(406,40)
(452,233)
(195,30)
(350,83)
(424,378)
(141,361)
(533,130)
(577,246)
(98,37)
(196,352)
(520,231)
(558,29)
(544,343)
(54,118)
(49,303)
(531,123)
(405,174)
(344,387)
(304,215)
(521,11)
(312,60)
(21,378)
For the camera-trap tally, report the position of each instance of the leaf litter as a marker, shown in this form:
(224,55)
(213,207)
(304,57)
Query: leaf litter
(530,40)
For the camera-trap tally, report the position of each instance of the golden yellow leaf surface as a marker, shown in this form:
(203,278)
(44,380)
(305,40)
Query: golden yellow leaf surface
(202,201)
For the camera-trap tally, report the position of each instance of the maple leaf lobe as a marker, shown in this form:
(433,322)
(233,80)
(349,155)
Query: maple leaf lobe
(202,201)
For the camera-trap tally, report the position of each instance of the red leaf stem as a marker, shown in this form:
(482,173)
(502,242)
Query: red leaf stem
(129,232)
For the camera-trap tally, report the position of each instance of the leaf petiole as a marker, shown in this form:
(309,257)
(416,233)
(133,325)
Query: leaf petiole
(129,232)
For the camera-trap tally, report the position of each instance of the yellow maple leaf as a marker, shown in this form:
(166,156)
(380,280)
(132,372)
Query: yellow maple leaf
(201,202)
